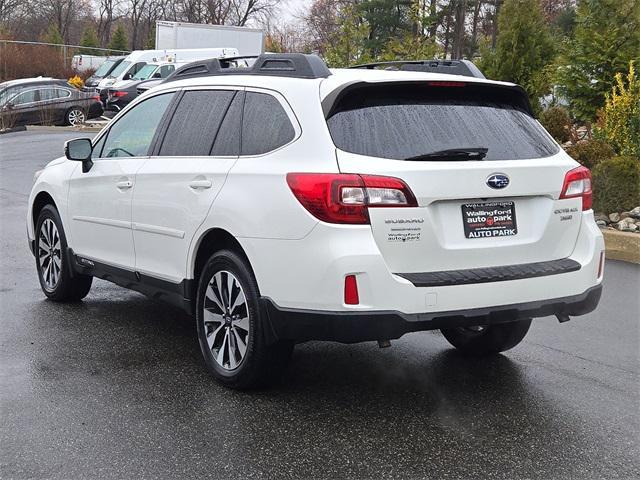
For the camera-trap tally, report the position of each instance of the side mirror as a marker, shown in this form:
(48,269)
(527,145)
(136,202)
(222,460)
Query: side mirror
(127,76)
(79,150)
(157,75)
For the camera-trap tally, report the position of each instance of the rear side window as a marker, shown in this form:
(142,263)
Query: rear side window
(402,121)
(265,124)
(228,139)
(53,93)
(195,123)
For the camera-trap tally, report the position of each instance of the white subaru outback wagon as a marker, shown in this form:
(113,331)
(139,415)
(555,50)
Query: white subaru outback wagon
(284,202)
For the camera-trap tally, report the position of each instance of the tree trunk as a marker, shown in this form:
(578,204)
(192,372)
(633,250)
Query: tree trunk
(494,33)
(459,29)
(474,28)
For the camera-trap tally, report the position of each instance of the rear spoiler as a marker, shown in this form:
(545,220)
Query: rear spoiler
(330,102)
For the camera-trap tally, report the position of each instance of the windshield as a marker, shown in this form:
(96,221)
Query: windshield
(120,69)
(410,121)
(145,72)
(104,68)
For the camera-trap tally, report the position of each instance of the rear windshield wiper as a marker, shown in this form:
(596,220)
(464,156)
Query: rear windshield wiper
(453,154)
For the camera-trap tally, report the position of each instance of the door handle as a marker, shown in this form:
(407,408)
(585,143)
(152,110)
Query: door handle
(124,185)
(196,184)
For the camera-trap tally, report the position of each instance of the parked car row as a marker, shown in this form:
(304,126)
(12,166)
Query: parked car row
(120,94)
(112,87)
(45,101)
(117,79)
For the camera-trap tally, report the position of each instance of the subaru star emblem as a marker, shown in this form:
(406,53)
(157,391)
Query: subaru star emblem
(498,181)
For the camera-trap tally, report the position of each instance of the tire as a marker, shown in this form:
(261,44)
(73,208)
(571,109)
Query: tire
(57,280)
(231,329)
(487,340)
(74,116)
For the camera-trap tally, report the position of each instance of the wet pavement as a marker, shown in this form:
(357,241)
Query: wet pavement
(114,387)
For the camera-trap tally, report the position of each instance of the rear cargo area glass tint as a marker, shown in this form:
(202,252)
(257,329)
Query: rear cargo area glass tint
(400,121)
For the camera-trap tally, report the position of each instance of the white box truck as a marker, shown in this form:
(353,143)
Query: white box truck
(171,35)
(82,63)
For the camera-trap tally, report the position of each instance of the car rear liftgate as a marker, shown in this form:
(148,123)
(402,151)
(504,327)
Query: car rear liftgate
(487,178)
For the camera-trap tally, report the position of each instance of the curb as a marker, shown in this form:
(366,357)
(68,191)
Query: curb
(38,128)
(13,130)
(622,246)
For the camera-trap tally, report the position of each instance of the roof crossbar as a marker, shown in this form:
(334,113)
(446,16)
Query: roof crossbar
(294,65)
(451,67)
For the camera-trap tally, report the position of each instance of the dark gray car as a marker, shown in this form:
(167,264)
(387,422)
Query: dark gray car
(45,101)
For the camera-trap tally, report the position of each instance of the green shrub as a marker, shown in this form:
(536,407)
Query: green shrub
(619,122)
(616,184)
(590,152)
(556,120)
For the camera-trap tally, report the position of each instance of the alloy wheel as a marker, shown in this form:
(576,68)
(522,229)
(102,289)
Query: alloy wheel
(76,117)
(226,320)
(49,254)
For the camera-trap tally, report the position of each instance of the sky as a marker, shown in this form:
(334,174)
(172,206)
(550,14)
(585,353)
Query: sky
(292,9)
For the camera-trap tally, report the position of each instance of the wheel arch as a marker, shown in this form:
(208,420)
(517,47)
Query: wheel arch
(42,199)
(211,241)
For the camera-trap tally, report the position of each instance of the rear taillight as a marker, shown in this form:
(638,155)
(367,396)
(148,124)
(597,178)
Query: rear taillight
(577,183)
(345,198)
(95,97)
(119,93)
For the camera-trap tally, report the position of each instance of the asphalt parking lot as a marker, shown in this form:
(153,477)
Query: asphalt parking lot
(114,387)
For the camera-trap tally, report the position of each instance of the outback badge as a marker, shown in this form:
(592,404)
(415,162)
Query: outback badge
(498,180)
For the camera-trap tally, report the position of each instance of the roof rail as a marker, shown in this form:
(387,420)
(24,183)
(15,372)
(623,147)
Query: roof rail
(294,65)
(451,67)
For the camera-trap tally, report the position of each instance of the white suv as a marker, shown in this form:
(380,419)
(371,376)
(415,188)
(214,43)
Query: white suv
(287,202)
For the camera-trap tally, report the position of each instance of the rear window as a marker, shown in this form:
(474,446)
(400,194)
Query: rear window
(402,121)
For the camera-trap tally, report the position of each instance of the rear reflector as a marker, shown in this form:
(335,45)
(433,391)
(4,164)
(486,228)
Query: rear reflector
(351,290)
(119,93)
(345,198)
(577,183)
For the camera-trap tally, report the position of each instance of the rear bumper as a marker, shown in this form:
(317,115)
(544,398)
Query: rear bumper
(309,274)
(351,327)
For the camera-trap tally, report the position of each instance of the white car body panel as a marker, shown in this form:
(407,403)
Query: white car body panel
(100,210)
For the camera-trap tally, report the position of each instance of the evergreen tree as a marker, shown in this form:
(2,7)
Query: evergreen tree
(119,40)
(52,35)
(387,20)
(606,39)
(524,48)
(347,46)
(89,39)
